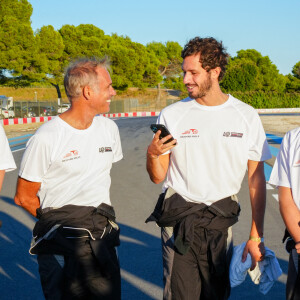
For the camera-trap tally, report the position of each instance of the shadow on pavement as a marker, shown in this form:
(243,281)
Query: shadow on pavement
(19,278)
(140,258)
(249,291)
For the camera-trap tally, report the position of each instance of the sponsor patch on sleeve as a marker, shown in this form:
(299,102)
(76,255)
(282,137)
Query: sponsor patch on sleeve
(105,149)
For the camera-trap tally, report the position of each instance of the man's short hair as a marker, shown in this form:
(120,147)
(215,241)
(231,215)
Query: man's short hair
(212,53)
(82,72)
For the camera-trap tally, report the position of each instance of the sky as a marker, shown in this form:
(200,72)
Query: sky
(271,27)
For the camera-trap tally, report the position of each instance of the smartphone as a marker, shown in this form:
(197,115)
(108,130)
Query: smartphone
(164,131)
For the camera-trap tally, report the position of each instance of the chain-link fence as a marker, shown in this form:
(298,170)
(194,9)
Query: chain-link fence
(137,105)
(29,109)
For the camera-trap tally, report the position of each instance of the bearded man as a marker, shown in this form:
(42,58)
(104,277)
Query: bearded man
(216,138)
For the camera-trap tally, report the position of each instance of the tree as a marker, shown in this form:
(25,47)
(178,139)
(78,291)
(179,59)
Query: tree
(131,63)
(83,40)
(296,70)
(249,70)
(174,83)
(17,41)
(50,50)
(241,75)
(20,9)
(293,83)
(169,56)
(168,60)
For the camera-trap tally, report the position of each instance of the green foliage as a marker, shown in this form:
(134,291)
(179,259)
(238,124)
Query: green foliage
(249,71)
(174,83)
(260,99)
(168,56)
(128,60)
(293,84)
(50,46)
(20,9)
(241,76)
(296,70)
(83,40)
(17,49)
(39,59)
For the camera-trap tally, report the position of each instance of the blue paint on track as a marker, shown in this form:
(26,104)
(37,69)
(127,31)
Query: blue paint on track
(280,114)
(274,151)
(23,141)
(20,137)
(19,142)
(268,170)
(274,138)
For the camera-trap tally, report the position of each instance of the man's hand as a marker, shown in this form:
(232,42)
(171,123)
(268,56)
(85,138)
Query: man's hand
(157,164)
(157,146)
(256,250)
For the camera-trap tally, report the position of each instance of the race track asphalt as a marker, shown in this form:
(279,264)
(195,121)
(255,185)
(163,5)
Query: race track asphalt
(133,195)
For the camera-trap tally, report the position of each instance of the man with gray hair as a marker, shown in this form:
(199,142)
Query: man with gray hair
(64,182)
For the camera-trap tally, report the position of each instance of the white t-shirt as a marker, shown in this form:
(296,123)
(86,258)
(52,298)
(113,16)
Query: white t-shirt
(7,162)
(214,144)
(72,165)
(286,170)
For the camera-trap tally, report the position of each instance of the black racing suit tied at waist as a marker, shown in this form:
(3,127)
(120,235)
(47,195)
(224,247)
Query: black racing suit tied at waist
(77,231)
(172,210)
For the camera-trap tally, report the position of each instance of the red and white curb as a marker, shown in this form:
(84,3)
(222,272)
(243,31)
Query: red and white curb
(17,121)
(132,115)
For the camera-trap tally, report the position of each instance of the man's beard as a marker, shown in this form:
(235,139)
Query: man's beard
(203,89)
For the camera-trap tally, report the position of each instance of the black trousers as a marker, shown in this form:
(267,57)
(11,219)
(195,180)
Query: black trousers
(293,282)
(191,276)
(63,277)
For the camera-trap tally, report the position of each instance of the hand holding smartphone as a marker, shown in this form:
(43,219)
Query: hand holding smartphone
(164,131)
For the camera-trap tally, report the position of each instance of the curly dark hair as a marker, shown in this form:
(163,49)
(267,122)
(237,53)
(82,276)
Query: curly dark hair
(212,53)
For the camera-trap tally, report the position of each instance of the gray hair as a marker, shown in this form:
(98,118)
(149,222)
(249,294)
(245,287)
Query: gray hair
(82,72)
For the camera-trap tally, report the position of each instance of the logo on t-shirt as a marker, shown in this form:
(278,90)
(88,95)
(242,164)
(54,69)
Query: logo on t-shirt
(233,134)
(297,163)
(190,133)
(71,155)
(105,149)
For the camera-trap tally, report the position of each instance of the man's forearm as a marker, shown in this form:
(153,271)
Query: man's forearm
(289,212)
(2,173)
(258,204)
(29,204)
(155,168)
(257,190)
(26,195)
